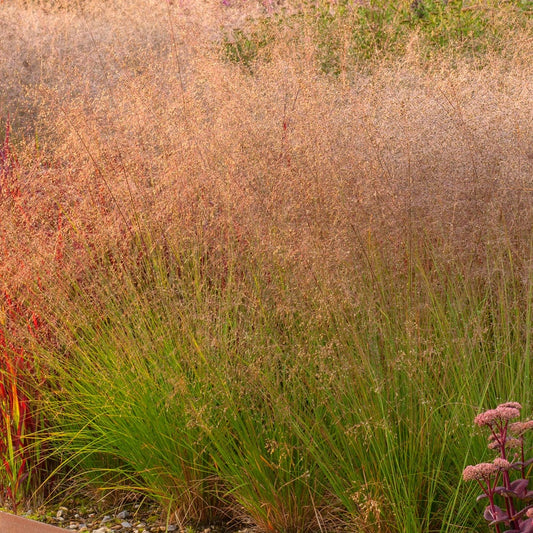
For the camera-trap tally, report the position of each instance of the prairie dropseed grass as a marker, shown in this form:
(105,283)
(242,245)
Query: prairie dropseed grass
(279,254)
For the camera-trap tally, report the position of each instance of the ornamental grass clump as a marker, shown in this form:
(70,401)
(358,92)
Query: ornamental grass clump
(495,478)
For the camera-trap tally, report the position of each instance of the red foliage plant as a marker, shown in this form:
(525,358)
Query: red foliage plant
(18,454)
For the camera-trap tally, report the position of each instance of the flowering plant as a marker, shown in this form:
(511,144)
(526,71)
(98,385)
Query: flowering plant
(496,478)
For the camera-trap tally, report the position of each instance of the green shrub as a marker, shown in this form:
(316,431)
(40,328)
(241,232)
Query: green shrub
(348,32)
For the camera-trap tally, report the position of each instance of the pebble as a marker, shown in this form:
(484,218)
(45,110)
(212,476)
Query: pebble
(119,522)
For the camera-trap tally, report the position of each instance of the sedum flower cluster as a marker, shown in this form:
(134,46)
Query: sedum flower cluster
(504,479)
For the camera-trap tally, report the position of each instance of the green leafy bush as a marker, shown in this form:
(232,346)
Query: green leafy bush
(348,32)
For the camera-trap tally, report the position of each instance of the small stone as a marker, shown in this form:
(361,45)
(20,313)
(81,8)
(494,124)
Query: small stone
(73,525)
(125,524)
(116,527)
(60,513)
(172,527)
(122,515)
(101,530)
(106,519)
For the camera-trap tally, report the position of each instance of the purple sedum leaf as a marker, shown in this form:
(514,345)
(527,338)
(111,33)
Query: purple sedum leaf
(517,489)
(521,513)
(519,486)
(527,526)
(517,465)
(496,517)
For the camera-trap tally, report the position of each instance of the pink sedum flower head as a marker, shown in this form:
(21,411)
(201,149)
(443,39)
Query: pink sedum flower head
(502,413)
(507,413)
(513,444)
(519,428)
(514,405)
(486,418)
(510,468)
(479,471)
(510,443)
(502,464)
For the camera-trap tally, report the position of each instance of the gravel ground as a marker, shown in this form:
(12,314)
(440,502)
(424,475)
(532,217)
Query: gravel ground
(128,518)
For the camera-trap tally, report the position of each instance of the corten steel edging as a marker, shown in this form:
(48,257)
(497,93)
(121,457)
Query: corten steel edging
(16,524)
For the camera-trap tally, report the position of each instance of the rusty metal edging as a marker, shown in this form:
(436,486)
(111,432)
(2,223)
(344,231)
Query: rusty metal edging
(16,524)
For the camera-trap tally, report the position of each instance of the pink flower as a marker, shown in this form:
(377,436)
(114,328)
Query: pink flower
(502,464)
(514,405)
(507,413)
(502,413)
(479,471)
(487,418)
(519,428)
